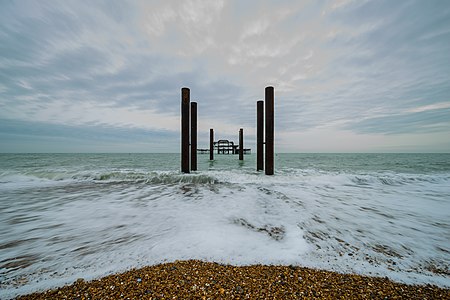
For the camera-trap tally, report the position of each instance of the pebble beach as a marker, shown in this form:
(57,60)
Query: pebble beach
(195,279)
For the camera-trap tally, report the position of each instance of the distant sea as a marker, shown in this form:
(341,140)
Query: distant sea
(70,216)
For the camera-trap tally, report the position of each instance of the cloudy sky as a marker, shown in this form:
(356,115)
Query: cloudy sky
(106,76)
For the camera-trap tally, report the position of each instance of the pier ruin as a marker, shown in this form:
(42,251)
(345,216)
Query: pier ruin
(224,147)
(264,118)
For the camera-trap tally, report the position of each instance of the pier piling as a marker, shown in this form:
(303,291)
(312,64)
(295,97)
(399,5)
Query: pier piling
(211,144)
(264,135)
(260,135)
(269,101)
(185,95)
(193,136)
(241,144)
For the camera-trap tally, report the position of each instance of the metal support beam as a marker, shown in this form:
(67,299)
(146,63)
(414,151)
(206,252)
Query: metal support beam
(211,144)
(193,136)
(270,124)
(260,135)
(241,144)
(185,130)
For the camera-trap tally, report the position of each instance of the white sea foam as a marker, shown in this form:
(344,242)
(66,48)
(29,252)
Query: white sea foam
(92,222)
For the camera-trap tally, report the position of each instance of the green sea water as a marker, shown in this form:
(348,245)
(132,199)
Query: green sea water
(66,216)
(360,162)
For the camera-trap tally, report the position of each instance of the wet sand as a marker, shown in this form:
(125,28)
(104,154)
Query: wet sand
(203,280)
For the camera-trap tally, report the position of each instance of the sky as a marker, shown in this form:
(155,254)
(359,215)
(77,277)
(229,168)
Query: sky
(106,76)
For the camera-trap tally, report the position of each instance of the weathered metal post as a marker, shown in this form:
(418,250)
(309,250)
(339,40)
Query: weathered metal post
(260,135)
(241,144)
(185,130)
(193,136)
(269,99)
(211,144)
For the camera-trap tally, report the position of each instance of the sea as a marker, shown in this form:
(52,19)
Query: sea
(70,216)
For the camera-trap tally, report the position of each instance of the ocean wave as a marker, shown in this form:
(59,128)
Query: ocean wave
(397,179)
(38,178)
(86,218)
(284,176)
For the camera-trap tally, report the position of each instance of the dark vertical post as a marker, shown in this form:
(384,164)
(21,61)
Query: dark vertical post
(260,135)
(185,130)
(193,136)
(211,144)
(241,144)
(269,99)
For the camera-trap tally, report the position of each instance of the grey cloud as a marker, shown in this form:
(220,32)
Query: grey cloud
(411,122)
(386,66)
(384,58)
(81,138)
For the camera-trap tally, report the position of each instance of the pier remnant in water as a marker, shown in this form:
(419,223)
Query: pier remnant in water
(211,144)
(269,101)
(260,135)
(224,147)
(265,126)
(193,136)
(185,98)
(241,144)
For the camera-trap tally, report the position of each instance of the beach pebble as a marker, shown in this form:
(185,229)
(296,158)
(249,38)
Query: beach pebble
(192,280)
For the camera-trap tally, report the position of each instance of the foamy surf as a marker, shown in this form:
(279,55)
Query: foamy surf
(93,220)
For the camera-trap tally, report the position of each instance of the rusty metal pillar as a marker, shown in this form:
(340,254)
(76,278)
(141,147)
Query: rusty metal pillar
(211,144)
(241,144)
(185,130)
(270,124)
(260,135)
(193,136)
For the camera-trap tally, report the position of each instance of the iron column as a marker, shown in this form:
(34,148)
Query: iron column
(269,99)
(193,136)
(185,130)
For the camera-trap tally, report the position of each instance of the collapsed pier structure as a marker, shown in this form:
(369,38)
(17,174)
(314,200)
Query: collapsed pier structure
(189,135)
(225,147)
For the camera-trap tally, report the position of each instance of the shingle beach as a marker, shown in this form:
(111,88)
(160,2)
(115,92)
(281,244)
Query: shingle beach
(205,280)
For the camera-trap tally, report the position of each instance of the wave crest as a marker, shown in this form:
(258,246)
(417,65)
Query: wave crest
(48,177)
